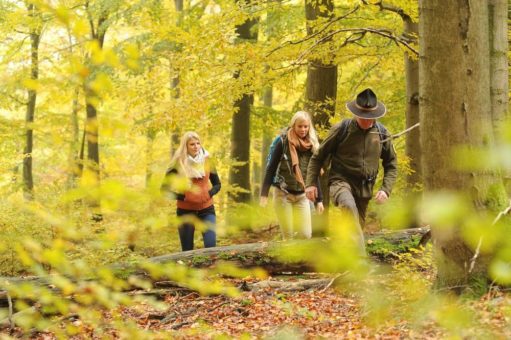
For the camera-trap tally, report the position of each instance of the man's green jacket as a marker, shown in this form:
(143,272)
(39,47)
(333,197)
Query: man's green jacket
(355,159)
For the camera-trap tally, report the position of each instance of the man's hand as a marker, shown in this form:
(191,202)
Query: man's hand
(320,208)
(263,201)
(311,193)
(380,197)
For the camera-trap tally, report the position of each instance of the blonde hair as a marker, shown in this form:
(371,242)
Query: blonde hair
(313,137)
(179,158)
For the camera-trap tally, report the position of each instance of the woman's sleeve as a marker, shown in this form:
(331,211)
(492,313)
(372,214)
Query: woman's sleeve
(271,168)
(320,192)
(215,182)
(165,186)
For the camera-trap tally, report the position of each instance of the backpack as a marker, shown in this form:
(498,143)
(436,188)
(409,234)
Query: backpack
(342,135)
(278,180)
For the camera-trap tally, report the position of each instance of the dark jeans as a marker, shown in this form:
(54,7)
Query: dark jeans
(187,229)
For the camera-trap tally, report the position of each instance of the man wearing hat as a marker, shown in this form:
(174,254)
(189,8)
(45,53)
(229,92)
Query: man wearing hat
(355,146)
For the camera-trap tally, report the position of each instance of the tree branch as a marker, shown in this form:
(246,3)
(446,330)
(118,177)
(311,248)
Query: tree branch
(363,31)
(478,249)
(309,37)
(17,100)
(389,8)
(401,133)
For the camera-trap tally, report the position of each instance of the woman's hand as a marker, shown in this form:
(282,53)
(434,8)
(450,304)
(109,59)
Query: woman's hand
(311,193)
(320,208)
(263,201)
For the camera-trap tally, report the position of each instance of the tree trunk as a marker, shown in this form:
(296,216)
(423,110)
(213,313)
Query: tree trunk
(150,136)
(320,97)
(28,181)
(239,175)
(174,83)
(321,86)
(92,127)
(81,155)
(413,146)
(74,146)
(267,138)
(455,97)
(499,70)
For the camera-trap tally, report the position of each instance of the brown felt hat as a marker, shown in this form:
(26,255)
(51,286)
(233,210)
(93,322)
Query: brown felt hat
(366,105)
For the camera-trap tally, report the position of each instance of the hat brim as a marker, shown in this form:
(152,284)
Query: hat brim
(378,112)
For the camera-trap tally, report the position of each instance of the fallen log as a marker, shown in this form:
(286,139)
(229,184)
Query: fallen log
(278,257)
(274,257)
(290,286)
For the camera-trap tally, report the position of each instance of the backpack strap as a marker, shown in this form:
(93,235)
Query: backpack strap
(342,133)
(382,131)
(285,146)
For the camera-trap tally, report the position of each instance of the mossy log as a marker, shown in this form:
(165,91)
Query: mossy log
(274,257)
(278,257)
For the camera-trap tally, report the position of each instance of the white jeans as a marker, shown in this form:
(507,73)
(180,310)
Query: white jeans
(294,214)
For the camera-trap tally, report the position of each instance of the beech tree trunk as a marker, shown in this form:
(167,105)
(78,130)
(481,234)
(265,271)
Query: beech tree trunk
(321,86)
(91,124)
(239,175)
(150,137)
(499,70)
(74,145)
(454,111)
(320,97)
(35,36)
(175,135)
(267,138)
(413,145)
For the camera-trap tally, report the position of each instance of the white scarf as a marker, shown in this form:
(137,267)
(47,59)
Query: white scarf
(194,166)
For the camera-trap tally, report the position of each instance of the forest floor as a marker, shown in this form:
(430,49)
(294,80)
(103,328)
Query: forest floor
(383,305)
(329,314)
(308,314)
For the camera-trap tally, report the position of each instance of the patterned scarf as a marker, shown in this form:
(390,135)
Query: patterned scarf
(297,144)
(194,166)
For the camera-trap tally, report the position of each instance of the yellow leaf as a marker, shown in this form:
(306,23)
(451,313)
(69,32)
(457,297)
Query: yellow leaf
(132,51)
(111,58)
(101,84)
(80,28)
(31,84)
(62,14)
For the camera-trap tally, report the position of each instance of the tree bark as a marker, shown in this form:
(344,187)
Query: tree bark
(320,97)
(74,145)
(35,36)
(150,137)
(499,71)
(92,130)
(267,138)
(413,146)
(455,97)
(321,85)
(239,175)
(93,164)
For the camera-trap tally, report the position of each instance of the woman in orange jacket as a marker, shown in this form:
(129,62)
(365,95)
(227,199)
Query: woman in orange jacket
(192,162)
